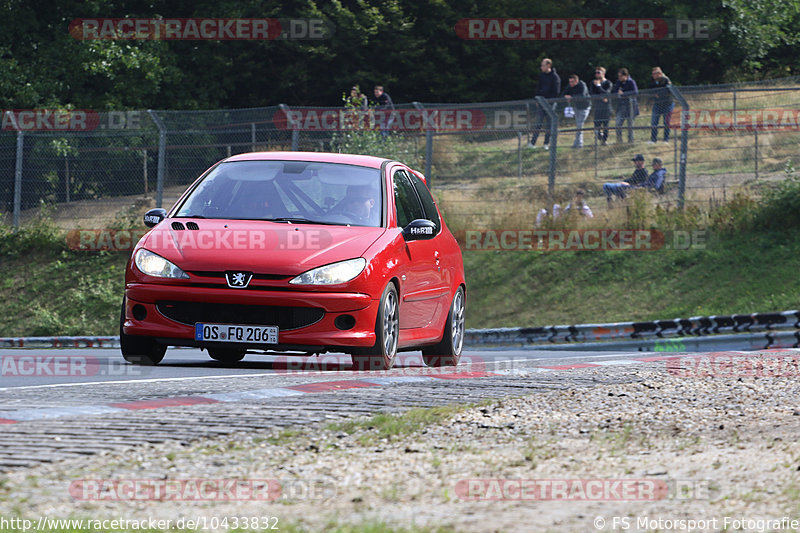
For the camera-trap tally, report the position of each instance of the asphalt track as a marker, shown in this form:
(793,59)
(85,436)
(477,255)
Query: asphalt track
(28,368)
(58,404)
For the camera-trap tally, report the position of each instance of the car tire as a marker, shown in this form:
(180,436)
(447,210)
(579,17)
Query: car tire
(226,356)
(447,352)
(137,350)
(387,328)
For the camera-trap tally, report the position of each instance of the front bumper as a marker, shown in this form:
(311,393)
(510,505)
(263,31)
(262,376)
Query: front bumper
(323,333)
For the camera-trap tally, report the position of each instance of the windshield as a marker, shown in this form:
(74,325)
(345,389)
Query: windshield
(288,191)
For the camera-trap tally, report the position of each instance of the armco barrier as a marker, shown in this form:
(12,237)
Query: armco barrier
(698,326)
(694,327)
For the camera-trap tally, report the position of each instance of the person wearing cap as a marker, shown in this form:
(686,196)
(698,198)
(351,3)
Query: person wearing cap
(637,179)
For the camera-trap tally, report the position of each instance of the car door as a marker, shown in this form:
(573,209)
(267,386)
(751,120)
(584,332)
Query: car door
(421,290)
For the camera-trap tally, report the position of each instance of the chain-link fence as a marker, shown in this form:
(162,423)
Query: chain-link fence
(486,161)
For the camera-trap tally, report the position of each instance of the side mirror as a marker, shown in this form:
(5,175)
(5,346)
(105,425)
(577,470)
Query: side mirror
(154,216)
(419,229)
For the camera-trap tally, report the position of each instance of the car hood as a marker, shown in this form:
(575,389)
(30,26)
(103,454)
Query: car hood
(257,246)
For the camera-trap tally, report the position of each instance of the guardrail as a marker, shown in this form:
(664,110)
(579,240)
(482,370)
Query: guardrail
(698,326)
(566,336)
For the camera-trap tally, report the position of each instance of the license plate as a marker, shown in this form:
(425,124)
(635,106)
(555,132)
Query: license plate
(236,333)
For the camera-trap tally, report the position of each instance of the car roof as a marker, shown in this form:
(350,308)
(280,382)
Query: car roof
(317,157)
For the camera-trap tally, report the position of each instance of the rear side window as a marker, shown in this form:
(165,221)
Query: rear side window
(427,201)
(406,201)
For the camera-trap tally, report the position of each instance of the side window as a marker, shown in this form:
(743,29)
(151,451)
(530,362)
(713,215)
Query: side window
(405,199)
(427,201)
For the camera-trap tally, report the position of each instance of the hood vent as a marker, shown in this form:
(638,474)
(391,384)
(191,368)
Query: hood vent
(192,226)
(177,226)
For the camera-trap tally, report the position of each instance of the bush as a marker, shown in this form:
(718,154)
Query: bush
(780,208)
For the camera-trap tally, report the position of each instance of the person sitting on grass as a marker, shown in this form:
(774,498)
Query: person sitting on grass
(637,179)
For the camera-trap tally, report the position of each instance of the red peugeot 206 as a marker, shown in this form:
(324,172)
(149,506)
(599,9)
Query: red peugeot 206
(298,253)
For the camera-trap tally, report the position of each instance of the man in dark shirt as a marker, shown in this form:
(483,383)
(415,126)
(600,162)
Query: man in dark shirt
(600,89)
(662,104)
(383,102)
(638,179)
(625,90)
(549,87)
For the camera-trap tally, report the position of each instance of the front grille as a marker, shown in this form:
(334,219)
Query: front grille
(213,274)
(267,315)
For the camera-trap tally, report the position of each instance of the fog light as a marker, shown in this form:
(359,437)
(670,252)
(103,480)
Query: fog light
(344,322)
(139,312)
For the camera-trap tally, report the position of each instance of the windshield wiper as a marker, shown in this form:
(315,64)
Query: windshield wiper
(298,220)
(190,216)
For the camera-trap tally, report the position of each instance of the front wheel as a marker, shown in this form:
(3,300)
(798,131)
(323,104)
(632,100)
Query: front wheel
(387,328)
(447,352)
(137,350)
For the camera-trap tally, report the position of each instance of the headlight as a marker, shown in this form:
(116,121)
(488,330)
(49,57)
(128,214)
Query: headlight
(340,272)
(155,265)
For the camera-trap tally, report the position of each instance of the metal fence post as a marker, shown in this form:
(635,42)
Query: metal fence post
(66,177)
(551,172)
(18,179)
(162,156)
(252,136)
(295,131)
(755,147)
(631,118)
(684,144)
(144,169)
(428,144)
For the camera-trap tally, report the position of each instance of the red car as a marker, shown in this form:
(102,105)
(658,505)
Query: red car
(298,253)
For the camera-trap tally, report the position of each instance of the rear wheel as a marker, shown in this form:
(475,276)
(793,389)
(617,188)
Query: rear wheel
(226,356)
(387,328)
(139,350)
(447,352)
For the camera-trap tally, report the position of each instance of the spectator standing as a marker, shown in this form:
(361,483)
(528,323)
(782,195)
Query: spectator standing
(600,90)
(549,87)
(637,179)
(625,91)
(577,96)
(662,104)
(383,102)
